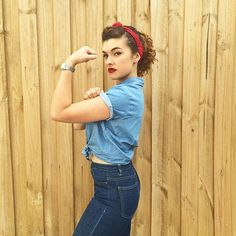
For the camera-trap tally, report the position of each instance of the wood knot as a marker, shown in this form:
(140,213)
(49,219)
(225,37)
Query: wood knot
(28,11)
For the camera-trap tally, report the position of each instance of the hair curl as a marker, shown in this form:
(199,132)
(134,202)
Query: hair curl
(149,53)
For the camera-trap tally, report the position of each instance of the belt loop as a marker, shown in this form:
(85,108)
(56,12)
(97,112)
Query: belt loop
(120,170)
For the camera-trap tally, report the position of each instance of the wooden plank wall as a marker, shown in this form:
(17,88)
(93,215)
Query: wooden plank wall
(187,147)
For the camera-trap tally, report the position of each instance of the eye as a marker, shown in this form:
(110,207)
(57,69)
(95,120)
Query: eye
(104,56)
(117,53)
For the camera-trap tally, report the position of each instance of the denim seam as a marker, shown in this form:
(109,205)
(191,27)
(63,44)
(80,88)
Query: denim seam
(100,182)
(99,220)
(121,178)
(128,187)
(110,171)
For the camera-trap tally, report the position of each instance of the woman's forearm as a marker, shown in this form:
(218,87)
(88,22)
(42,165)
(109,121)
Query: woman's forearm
(62,96)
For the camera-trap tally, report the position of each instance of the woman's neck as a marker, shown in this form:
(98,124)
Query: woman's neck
(132,74)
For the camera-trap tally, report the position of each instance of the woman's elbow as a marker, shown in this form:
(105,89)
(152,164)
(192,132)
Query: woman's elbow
(54,116)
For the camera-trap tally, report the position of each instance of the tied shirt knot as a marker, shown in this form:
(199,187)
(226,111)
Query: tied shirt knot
(87,152)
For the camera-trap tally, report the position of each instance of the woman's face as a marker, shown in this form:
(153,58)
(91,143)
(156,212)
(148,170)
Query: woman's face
(119,61)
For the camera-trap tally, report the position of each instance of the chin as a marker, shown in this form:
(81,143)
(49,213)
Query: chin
(115,77)
(119,77)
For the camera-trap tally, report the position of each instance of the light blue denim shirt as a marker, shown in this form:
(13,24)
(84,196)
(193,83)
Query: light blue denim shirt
(114,139)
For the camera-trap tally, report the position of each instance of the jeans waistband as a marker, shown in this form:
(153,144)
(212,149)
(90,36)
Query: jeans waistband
(111,167)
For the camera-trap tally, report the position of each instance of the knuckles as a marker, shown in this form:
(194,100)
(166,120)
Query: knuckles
(92,92)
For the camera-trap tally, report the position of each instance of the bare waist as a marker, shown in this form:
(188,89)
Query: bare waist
(98,160)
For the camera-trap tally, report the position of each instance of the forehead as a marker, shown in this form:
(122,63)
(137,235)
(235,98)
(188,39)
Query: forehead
(109,44)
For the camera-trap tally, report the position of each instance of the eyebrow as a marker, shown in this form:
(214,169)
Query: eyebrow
(113,49)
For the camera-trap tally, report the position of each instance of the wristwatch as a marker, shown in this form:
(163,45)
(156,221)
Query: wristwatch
(65,66)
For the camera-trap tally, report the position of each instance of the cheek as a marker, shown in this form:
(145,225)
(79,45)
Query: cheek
(126,63)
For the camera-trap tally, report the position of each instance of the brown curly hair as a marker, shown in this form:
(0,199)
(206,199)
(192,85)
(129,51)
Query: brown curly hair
(149,53)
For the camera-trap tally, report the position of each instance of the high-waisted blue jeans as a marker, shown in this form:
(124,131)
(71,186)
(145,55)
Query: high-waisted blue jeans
(115,200)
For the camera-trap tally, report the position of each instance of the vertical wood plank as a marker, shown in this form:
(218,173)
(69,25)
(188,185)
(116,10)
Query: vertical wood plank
(223,142)
(159,32)
(48,127)
(233,146)
(94,12)
(206,119)
(7,215)
(30,80)
(64,138)
(124,11)
(190,118)
(173,116)
(17,131)
(142,159)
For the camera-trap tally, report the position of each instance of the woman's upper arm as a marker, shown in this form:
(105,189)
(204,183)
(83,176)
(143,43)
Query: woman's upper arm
(90,110)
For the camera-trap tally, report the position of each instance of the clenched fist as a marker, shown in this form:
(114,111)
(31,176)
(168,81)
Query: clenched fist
(92,93)
(84,54)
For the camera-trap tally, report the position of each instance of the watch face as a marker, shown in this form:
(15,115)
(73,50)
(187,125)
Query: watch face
(65,66)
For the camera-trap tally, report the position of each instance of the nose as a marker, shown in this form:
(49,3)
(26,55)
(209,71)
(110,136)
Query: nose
(109,61)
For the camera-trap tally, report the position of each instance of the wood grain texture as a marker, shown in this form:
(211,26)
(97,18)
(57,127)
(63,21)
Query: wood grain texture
(173,116)
(16,113)
(143,158)
(190,118)
(64,137)
(49,133)
(31,106)
(7,214)
(206,119)
(224,144)
(159,30)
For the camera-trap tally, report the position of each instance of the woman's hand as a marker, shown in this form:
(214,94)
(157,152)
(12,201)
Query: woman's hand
(84,54)
(92,93)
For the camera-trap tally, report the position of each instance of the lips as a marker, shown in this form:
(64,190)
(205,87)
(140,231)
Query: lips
(111,70)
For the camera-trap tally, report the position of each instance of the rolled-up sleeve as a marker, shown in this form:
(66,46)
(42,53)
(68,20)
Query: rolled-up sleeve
(118,102)
(107,101)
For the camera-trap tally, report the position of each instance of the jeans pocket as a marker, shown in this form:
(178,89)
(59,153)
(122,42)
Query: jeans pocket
(129,198)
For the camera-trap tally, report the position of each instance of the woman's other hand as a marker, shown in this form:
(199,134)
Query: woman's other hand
(92,93)
(84,54)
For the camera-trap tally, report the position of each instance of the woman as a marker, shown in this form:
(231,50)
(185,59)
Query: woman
(113,120)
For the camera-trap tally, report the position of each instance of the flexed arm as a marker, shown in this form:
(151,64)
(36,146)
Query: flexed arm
(91,93)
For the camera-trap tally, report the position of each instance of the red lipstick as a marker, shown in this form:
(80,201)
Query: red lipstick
(111,70)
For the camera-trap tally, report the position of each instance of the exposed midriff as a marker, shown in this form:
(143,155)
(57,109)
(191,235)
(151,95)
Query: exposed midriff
(98,160)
